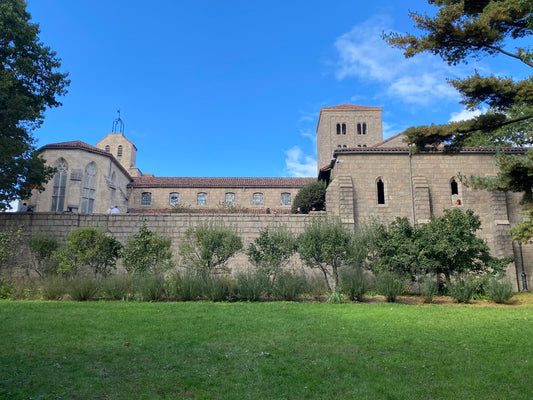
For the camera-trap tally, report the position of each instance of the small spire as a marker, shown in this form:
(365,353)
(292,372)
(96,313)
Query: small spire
(118,124)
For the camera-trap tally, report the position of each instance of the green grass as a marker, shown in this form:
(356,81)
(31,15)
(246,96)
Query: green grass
(118,350)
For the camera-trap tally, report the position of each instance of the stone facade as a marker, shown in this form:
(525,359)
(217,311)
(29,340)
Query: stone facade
(371,178)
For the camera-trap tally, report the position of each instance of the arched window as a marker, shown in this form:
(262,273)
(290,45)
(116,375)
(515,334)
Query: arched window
(358,129)
(88,189)
(344,129)
(344,146)
(380,186)
(146,198)
(60,186)
(338,129)
(229,199)
(364,128)
(174,199)
(201,199)
(454,187)
(285,199)
(119,151)
(107,148)
(257,199)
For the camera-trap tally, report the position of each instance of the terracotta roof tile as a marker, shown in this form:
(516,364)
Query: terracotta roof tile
(405,149)
(196,182)
(350,107)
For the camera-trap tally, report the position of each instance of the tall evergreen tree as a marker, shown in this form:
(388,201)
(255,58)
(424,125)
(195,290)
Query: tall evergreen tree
(469,29)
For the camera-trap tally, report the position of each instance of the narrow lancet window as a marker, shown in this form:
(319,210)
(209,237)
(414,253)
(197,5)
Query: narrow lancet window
(381,191)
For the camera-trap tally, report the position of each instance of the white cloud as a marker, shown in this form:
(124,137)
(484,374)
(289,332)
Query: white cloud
(364,55)
(299,165)
(465,115)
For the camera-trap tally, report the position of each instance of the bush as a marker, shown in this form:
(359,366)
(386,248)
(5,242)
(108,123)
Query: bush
(43,248)
(208,247)
(82,288)
(146,252)
(89,247)
(289,286)
(500,291)
(336,298)
(389,285)
(309,197)
(250,285)
(53,288)
(185,286)
(354,283)
(219,288)
(461,290)
(149,287)
(428,290)
(6,288)
(117,287)
(271,250)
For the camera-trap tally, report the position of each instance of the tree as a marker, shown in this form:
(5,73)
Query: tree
(209,246)
(271,250)
(29,84)
(310,197)
(464,29)
(89,247)
(147,252)
(325,245)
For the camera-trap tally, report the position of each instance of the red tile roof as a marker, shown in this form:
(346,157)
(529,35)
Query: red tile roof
(350,107)
(196,182)
(405,149)
(79,145)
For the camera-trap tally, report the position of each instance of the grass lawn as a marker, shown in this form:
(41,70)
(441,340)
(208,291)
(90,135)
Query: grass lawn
(276,350)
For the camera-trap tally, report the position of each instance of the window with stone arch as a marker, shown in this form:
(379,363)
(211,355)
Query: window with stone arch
(285,199)
(88,189)
(229,199)
(455,191)
(174,199)
(380,188)
(201,199)
(60,186)
(338,129)
(107,148)
(119,151)
(257,199)
(146,198)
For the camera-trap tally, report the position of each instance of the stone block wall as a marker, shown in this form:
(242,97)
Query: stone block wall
(171,225)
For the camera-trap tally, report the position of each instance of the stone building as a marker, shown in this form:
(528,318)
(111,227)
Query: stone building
(368,178)
(92,179)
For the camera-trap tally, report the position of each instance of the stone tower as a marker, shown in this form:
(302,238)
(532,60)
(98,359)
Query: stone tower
(118,145)
(346,126)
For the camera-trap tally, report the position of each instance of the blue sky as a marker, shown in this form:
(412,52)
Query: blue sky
(234,88)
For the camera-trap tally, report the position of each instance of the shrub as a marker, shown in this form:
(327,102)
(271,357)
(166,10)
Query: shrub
(89,247)
(149,287)
(6,288)
(271,250)
(354,283)
(53,287)
(428,290)
(325,245)
(389,285)
(289,286)
(208,247)
(219,288)
(82,288)
(185,286)
(309,197)
(43,248)
(461,290)
(146,252)
(336,298)
(500,291)
(250,285)
(117,287)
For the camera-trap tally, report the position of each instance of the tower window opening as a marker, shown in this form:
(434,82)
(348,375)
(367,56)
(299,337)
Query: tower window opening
(344,129)
(119,151)
(364,128)
(338,129)
(454,187)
